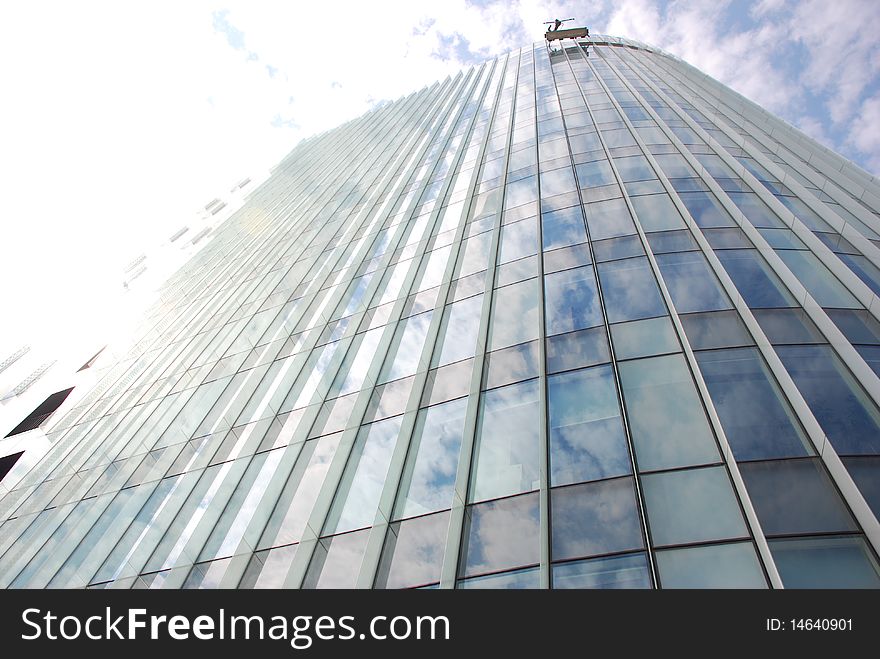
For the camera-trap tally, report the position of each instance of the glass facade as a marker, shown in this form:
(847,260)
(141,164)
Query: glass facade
(579,317)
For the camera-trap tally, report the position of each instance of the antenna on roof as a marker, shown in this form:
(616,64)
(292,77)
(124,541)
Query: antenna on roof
(553,33)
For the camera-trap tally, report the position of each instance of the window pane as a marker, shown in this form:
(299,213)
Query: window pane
(719,329)
(857,326)
(630,571)
(715,566)
(514,314)
(458,334)
(657,213)
(594,174)
(406,347)
(848,417)
(429,476)
(756,211)
(594,519)
(567,257)
(571,300)
(618,248)
(825,288)
(517,580)
(643,338)
(754,280)
(607,219)
(563,227)
(337,561)
(795,496)
(757,420)
(506,451)
(566,352)
(825,563)
(692,506)
(518,240)
(358,495)
(662,242)
(630,290)
(691,282)
(706,210)
(501,534)
(557,181)
(788,326)
(413,553)
(511,365)
(667,421)
(268,569)
(587,441)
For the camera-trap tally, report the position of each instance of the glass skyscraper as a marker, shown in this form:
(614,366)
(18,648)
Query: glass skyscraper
(579,317)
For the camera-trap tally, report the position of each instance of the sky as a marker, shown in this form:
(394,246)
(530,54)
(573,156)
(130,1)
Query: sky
(120,120)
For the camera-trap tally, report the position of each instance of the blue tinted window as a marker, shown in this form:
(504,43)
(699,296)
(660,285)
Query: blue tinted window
(500,535)
(864,270)
(754,280)
(857,326)
(643,338)
(825,288)
(795,497)
(826,562)
(668,425)
(732,565)
(608,219)
(672,241)
(594,174)
(630,290)
(566,352)
(848,417)
(594,519)
(706,210)
(757,420)
(571,300)
(691,282)
(506,450)
(587,441)
(788,326)
(563,227)
(865,471)
(717,329)
(756,211)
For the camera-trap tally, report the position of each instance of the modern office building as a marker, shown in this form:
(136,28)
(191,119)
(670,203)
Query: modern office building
(579,317)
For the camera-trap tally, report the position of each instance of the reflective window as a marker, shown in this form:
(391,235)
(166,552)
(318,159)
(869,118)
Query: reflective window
(514,315)
(694,505)
(567,257)
(643,338)
(587,441)
(594,174)
(406,347)
(795,496)
(566,352)
(634,168)
(657,213)
(628,571)
(849,418)
(630,290)
(755,281)
(413,553)
(756,211)
(337,561)
(571,300)
(429,476)
(706,210)
(607,219)
(825,288)
(857,326)
(668,425)
(515,580)
(506,450)
(458,333)
(268,569)
(674,165)
(672,241)
(594,519)
(727,238)
(733,565)
(618,248)
(719,329)
(500,535)
(557,182)
(788,326)
(518,240)
(448,382)
(563,227)
(511,365)
(756,417)
(357,497)
(691,282)
(825,562)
